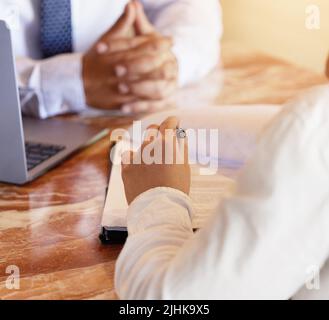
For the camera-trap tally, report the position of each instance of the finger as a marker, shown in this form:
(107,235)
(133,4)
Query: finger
(140,44)
(154,45)
(181,151)
(168,71)
(153,126)
(124,25)
(186,151)
(137,65)
(122,44)
(106,100)
(142,23)
(127,158)
(118,98)
(151,133)
(142,65)
(149,89)
(170,123)
(147,47)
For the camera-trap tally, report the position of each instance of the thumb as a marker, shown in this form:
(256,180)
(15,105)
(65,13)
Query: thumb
(142,25)
(124,25)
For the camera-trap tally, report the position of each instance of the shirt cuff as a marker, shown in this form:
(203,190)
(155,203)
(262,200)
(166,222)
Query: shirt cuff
(58,85)
(158,207)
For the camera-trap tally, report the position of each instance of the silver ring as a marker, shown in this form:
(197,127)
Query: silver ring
(181,133)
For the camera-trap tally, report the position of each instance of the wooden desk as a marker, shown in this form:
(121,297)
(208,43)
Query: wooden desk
(49,228)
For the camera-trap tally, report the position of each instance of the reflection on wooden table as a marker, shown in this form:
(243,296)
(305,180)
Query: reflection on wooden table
(49,228)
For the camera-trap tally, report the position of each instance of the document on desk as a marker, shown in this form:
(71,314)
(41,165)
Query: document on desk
(239,128)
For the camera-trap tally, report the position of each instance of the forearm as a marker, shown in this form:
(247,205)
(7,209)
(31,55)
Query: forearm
(260,243)
(159,223)
(52,86)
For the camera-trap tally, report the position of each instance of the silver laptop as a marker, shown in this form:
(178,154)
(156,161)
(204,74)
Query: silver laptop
(30,147)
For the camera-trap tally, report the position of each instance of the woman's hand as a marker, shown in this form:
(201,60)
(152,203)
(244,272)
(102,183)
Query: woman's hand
(163,162)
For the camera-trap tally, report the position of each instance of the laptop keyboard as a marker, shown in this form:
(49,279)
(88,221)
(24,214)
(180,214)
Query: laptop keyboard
(37,153)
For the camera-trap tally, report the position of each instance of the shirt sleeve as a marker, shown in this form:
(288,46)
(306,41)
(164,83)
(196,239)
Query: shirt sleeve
(196,27)
(261,243)
(51,87)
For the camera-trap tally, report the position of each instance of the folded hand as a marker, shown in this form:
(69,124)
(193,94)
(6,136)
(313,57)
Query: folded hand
(131,66)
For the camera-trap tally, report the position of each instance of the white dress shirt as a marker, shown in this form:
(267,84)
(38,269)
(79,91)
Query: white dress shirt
(195,26)
(265,242)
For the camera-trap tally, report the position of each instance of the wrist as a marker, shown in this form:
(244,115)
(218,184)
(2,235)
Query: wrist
(160,207)
(84,78)
(167,191)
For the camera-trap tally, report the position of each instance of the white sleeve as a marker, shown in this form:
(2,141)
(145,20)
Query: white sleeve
(196,27)
(261,243)
(163,215)
(51,87)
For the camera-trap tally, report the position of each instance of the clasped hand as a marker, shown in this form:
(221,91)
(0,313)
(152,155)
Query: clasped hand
(131,67)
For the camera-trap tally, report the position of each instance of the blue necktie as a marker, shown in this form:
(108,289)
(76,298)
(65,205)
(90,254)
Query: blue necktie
(56,27)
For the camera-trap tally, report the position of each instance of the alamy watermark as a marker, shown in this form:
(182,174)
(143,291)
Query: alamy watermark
(312,17)
(13,279)
(166,148)
(313,278)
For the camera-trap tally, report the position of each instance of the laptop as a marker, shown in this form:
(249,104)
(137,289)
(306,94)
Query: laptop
(30,147)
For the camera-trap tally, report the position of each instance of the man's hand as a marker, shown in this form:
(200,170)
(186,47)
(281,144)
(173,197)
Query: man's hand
(131,66)
(139,178)
(100,83)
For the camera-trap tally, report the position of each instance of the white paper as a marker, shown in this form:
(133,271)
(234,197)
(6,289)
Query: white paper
(239,128)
